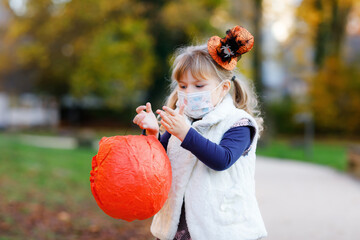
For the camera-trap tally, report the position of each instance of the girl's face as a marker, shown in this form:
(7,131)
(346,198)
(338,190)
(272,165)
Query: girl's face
(188,84)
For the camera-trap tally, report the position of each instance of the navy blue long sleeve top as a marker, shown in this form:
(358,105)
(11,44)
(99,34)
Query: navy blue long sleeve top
(220,156)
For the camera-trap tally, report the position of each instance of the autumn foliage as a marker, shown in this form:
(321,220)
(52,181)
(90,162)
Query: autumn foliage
(335,99)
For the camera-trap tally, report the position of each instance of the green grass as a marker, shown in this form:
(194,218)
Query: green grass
(327,153)
(36,184)
(89,132)
(49,175)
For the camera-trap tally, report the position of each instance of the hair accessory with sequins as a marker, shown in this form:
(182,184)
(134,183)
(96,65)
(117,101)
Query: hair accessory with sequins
(226,51)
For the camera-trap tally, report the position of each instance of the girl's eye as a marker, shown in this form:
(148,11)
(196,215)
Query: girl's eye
(182,86)
(199,86)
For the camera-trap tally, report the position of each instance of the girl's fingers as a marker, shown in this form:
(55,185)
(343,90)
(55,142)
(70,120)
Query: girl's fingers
(164,117)
(169,111)
(143,125)
(135,120)
(148,107)
(165,124)
(181,110)
(140,108)
(159,111)
(141,117)
(138,118)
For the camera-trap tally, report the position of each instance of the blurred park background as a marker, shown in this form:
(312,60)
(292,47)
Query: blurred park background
(74,71)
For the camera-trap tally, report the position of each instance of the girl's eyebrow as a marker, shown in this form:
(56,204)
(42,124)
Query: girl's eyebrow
(200,81)
(196,81)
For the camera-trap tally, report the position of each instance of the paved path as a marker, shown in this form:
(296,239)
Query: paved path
(301,201)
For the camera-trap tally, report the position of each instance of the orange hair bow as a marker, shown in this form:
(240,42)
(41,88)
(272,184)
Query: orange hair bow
(226,51)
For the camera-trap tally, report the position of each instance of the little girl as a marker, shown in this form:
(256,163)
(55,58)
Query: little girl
(212,127)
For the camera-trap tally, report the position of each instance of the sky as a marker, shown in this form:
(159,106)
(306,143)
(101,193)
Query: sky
(18,6)
(278,19)
(279,15)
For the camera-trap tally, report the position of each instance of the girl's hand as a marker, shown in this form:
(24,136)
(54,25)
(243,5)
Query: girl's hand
(147,120)
(174,123)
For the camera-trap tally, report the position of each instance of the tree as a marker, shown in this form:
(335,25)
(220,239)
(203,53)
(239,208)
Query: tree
(249,15)
(83,47)
(327,23)
(118,50)
(335,92)
(334,85)
(258,48)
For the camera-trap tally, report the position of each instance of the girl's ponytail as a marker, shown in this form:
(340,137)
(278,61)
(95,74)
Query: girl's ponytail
(244,97)
(240,96)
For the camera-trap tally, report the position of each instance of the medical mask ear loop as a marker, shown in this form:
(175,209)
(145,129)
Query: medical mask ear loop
(222,98)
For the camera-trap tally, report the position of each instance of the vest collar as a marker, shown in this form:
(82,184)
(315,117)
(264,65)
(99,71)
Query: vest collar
(219,113)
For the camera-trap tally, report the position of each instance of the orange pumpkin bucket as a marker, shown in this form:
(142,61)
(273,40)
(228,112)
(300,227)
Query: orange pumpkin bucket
(130,177)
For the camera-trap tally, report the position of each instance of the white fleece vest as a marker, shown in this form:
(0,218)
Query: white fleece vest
(218,204)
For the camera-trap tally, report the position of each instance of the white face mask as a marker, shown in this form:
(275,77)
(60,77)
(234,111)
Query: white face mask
(197,104)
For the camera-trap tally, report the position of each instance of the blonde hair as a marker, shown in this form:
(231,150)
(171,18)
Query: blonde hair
(201,65)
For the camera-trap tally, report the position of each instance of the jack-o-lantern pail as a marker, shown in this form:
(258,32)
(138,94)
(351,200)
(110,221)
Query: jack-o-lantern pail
(130,177)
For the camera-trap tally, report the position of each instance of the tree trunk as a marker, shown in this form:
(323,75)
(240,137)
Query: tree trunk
(331,31)
(257,61)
